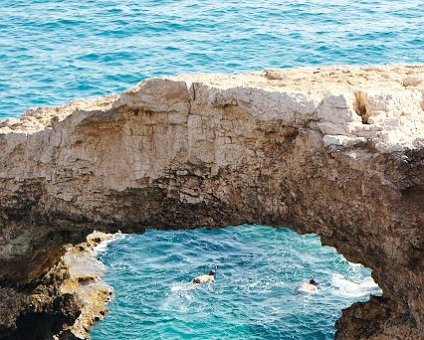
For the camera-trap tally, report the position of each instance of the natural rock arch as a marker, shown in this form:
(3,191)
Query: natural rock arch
(274,148)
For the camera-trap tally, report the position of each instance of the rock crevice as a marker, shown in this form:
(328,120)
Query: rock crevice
(337,151)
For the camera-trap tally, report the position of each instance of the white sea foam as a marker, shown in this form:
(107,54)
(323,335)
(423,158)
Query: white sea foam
(182,287)
(342,286)
(355,266)
(180,298)
(102,246)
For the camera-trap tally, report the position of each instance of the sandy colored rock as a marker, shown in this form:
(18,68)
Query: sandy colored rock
(86,283)
(338,151)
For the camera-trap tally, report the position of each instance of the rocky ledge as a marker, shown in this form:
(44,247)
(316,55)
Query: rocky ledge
(337,151)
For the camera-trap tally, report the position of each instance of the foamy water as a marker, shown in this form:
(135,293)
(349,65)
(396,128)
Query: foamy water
(103,246)
(353,288)
(255,295)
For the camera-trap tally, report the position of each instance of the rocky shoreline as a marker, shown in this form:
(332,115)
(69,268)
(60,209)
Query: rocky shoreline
(72,295)
(86,283)
(336,151)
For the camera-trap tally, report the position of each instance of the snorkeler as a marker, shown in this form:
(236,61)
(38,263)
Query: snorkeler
(205,278)
(196,282)
(309,287)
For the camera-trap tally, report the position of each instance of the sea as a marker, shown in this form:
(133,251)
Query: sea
(54,51)
(255,294)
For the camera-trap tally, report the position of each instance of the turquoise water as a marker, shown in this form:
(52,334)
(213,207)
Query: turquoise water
(52,51)
(254,296)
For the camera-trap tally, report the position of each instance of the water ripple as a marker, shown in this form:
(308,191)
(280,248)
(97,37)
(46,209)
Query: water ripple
(254,296)
(51,52)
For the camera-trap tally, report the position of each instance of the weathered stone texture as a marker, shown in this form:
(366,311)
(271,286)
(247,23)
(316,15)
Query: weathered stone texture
(336,151)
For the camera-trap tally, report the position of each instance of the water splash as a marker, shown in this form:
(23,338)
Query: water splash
(255,293)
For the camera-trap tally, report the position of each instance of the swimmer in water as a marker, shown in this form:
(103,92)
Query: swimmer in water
(309,287)
(204,278)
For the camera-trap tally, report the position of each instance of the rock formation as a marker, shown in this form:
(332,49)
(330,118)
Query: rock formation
(337,151)
(84,282)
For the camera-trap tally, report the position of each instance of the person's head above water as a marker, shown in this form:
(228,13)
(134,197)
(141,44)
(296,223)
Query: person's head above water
(313,282)
(212,273)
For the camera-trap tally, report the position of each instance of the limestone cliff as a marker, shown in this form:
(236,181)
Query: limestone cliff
(338,151)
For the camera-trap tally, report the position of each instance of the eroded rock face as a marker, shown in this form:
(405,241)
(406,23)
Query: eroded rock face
(337,151)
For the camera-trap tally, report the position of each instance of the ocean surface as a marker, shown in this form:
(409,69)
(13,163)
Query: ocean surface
(254,296)
(53,51)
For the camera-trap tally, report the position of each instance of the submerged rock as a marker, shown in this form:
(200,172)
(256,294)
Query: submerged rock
(337,151)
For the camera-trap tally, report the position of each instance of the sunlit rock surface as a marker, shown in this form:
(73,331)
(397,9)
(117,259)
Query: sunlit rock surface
(337,151)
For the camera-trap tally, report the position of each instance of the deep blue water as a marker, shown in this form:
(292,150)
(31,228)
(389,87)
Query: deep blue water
(254,296)
(52,51)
